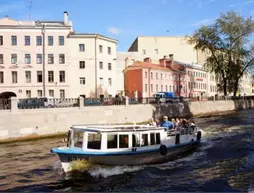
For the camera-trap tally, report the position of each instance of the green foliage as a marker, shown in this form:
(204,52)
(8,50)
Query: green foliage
(226,42)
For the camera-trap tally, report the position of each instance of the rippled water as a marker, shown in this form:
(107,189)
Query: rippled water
(224,162)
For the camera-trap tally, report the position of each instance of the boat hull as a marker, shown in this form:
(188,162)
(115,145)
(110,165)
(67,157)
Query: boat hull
(144,158)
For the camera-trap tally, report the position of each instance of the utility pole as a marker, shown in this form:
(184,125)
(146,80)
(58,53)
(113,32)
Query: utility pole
(43,61)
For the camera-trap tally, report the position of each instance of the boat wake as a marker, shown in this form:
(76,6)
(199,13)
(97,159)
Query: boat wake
(107,171)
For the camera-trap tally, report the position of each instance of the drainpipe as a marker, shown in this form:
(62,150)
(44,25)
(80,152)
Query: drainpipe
(95,53)
(43,61)
(149,82)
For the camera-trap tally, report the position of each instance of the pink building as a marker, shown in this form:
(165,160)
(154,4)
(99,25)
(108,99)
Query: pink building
(147,78)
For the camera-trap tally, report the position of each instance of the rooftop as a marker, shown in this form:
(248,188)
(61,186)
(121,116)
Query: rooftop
(80,35)
(114,128)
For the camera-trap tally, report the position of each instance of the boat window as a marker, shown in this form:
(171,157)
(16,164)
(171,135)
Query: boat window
(78,139)
(144,140)
(123,141)
(112,141)
(158,138)
(135,140)
(94,141)
(152,139)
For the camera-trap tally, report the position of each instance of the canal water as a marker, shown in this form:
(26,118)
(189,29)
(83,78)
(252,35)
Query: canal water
(224,162)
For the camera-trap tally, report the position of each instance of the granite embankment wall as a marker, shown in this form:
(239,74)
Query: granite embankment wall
(19,123)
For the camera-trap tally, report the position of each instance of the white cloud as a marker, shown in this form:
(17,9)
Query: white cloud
(114,30)
(202,22)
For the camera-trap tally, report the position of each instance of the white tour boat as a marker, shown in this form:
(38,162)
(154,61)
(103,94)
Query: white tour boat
(125,144)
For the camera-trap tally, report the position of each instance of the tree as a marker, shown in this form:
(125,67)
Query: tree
(226,42)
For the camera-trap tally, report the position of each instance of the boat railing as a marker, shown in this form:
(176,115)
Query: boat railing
(183,131)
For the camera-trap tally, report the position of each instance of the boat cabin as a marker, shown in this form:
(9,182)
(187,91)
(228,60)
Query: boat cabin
(112,138)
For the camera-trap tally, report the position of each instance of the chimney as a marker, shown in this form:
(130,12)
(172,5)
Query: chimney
(66,18)
(148,59)
(163,61)
(126,62)
(171,57)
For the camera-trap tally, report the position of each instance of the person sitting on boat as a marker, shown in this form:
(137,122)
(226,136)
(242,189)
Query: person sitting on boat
(152,122)
(166,123)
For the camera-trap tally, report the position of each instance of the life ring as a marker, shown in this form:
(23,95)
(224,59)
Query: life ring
(163,150)
(198,135)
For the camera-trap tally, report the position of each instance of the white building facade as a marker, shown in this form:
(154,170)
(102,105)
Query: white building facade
(46,58)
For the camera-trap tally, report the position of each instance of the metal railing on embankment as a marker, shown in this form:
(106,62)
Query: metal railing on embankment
(40,103)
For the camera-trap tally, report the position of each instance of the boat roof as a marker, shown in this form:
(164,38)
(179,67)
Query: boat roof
(114,128)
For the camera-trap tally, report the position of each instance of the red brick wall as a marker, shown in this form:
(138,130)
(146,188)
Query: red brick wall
(133,82)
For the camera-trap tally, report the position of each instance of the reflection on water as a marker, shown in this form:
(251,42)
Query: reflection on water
(224,162)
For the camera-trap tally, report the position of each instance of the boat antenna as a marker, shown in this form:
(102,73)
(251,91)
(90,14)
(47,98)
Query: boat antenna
(30,9)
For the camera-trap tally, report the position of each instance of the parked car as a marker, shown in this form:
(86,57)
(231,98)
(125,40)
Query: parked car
(30,103)
(92,102)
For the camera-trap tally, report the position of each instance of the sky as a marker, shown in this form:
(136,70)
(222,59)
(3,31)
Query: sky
(124,20)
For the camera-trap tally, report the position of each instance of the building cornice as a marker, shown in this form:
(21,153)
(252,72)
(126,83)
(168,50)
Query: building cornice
(81,35)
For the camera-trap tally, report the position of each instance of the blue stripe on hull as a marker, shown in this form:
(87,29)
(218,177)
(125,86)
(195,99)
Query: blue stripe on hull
(79,151)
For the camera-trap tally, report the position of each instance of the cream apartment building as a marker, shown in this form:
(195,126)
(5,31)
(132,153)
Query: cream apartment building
(93,69)
(158,46)
(71,65)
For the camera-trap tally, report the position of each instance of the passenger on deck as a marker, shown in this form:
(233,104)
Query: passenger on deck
(166,123)
(152,122)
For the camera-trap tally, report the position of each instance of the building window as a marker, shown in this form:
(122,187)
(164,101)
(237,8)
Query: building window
(51,93)
(61,59)
(39,58)
(50,58)
(62,93)
(82,64)
(161,88)
(144,51)
(161,76)
(27,58)
(28,93)
(1,40)
(109,50)
(166,88)
(109,66)
(39,76)
(157,88)
(100,49)
(61,40)
(151,75)
(50,40)
(1,77)
(145,87)
(81,47)
(156,75)
(110,81)
(1,58)
(145,74)
(62,76)
(151,88)
(14,76)
(39,93)
(14,58)
(101,81)
(82,80)
(38,40)
(50,76)
(101,65)
(13,40)
(27,40)
(156,51)
(28,76)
